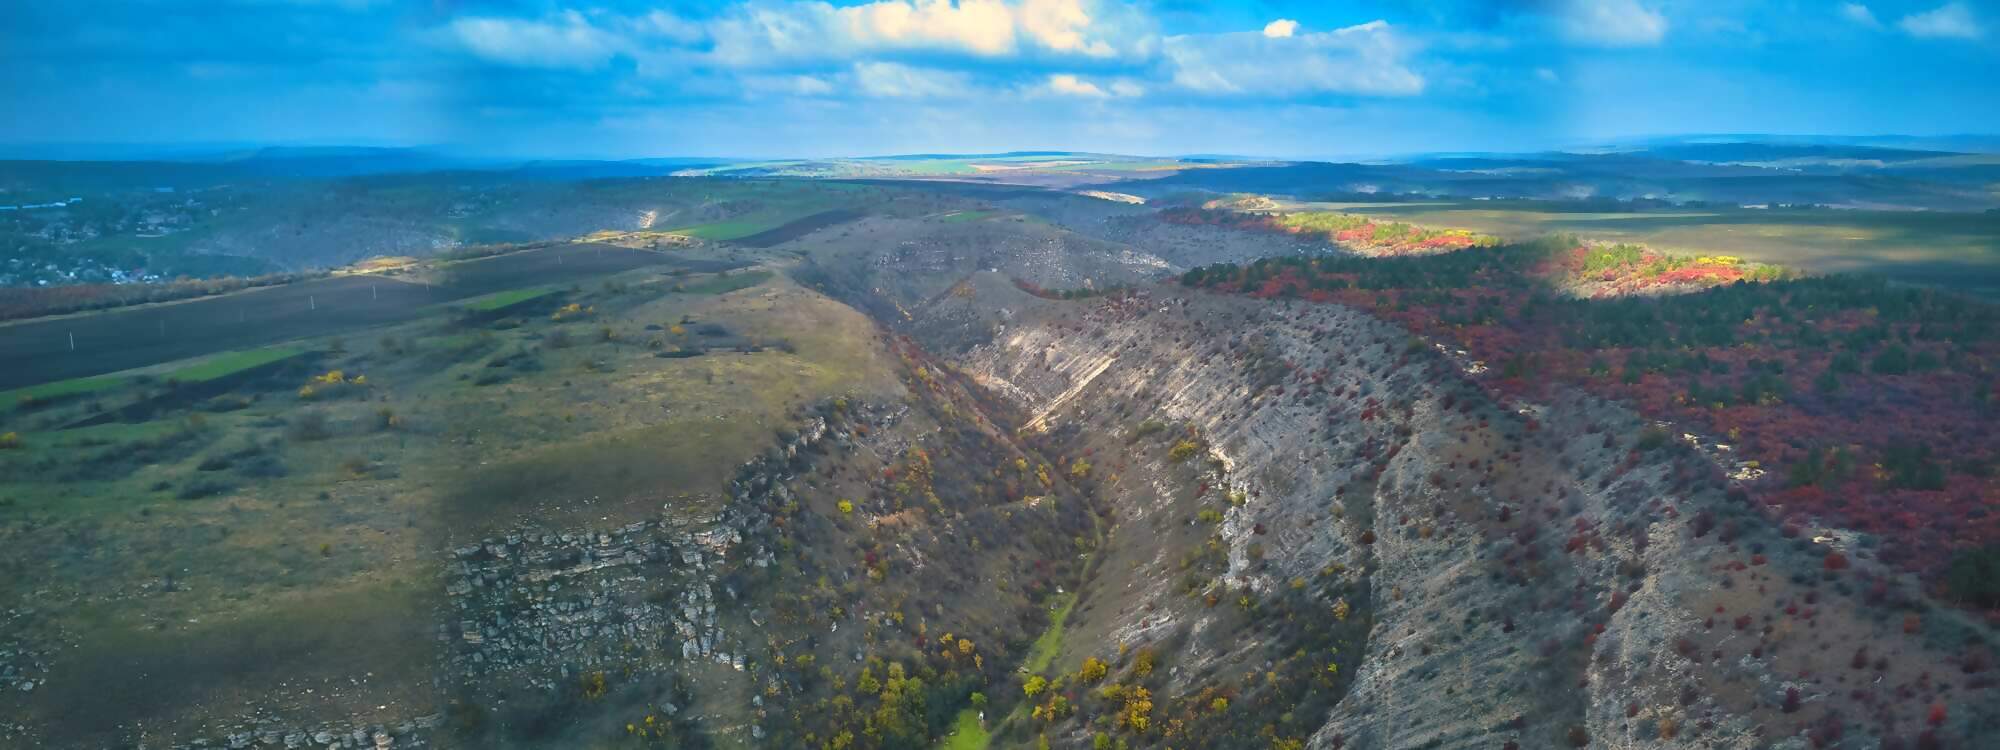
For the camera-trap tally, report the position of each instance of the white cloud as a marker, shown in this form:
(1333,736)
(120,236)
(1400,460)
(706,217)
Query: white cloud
(1547,76)
(791,85)
(982,26)
(1949,21)
(1611,23)
(1368,59)
(764,33)
(1281,28)
(668,26)
(898,81)
(1859,14)
(1068,84)
(565,41)
(1060,25)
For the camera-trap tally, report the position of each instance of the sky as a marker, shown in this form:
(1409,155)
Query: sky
(792,78)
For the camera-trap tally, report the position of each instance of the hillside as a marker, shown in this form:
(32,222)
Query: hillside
(1360,529)
(912,466)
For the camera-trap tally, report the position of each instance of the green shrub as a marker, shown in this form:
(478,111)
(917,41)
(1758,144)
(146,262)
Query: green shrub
(1974,577)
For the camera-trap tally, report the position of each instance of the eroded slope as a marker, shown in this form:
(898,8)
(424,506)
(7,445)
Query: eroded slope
(1547,575)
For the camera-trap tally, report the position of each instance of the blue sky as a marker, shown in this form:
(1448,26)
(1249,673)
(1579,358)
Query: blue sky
(617,78)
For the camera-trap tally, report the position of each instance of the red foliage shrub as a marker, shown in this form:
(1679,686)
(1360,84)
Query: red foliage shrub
(1750,378)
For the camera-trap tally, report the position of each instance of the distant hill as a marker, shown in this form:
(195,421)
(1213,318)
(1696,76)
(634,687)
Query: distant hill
(1963,143)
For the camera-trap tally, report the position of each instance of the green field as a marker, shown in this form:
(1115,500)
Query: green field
(503,300)
(1050,642)
(761,206)
(61,388)
(1946,249)
(232,363)
(966,733)
(211,369)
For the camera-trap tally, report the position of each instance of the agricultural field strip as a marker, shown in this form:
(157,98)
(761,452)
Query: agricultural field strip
(131,338)
(213,368)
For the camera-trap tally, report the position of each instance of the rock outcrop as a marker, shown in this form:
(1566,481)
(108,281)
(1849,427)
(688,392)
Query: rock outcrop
(1541,574)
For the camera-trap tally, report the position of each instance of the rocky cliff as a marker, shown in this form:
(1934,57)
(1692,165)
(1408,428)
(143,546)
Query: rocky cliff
(1527,575)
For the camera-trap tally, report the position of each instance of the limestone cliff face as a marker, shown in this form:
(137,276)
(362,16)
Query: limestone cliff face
(1535,573)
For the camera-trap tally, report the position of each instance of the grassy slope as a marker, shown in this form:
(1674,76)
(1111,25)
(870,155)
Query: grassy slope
(277,564)
(1050,642)
(966,733)
(669,427)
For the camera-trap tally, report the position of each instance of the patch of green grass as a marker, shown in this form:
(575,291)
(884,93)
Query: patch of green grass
(1050,642)
(61,388)
(232,363)
(966,733)
(727,284)
(502,300)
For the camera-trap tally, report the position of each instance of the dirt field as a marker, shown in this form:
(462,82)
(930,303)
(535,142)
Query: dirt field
(125,339)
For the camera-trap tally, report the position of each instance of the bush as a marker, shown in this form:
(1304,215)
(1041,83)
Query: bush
(1653,438)
(260,466)
(1148,428)
(226,403)
(309,425)
(204,487)
(1892,361)
(1974,577)
(1910,466)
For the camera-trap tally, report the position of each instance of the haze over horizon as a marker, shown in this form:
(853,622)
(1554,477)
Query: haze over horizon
(618,79)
